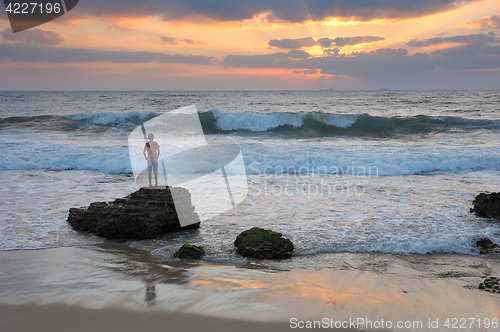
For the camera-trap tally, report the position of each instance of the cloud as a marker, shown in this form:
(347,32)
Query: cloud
(325,42)
(294,57)
(390,67)
(278,60)
(282,10)
(332,52)
(463,39)
(293,43)
(469,51)
(344,41)
(308,71)
(484,23)
(64,55)
(169,40)
(34,36)
(164,40)
(298,54)
(382,52)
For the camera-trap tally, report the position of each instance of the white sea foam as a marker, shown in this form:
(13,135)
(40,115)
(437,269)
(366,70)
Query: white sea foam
(329,160)
(256,122)
(114,119)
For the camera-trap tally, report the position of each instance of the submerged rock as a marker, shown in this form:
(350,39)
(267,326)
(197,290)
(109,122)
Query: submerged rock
(487,205)
(190,251)
(487,246)
(144,214)
(262,243)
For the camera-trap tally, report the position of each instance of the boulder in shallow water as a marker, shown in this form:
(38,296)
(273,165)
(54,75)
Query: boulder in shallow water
(263,243)
(487,246)
(144,214)
(487,205)
(190,251)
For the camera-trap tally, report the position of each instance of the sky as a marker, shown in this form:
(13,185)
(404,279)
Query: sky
(183,45)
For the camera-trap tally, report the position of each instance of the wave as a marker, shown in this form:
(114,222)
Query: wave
(283,123)
(30,155)
(317,123)
(87,122)
(260,159)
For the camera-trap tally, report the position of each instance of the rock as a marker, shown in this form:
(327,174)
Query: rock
(190,251)
(490,284)
(262,243)
(487,205)
(487,246)
(144,214)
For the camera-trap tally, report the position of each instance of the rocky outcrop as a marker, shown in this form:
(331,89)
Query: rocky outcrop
(144,214)
(487,205)
(262,243)
(190,251)
(487,246)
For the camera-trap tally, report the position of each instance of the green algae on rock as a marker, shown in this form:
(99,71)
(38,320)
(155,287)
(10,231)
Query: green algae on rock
(263,243)
(190,251)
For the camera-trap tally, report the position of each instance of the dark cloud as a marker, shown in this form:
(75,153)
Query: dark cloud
(65,55)
(332,52)
(291,59)
(34,36)
(464,39)
(382,52)
(484,23)
(280,59)
(284,10)
(308,71)
(419,70)
(325,42)
(469,51)
(298,54)
(344,41)
(293,43)
(392,68)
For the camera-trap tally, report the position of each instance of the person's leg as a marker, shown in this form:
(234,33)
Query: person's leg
(155,170)
(150,169)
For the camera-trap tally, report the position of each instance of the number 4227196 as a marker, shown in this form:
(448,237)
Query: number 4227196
(33,8)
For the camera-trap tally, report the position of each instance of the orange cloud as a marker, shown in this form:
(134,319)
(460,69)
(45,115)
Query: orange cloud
(483,23)
(34,36)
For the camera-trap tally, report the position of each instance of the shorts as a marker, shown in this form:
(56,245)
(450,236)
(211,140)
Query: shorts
(152,165)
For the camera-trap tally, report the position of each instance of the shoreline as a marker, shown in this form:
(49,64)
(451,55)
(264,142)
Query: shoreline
(110,280)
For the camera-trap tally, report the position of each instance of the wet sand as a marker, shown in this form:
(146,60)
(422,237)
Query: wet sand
(64,318)
(112,287)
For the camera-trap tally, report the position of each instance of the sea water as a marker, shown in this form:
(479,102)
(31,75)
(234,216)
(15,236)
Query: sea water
(357,171)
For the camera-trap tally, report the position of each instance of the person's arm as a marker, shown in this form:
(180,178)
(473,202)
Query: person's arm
(144,152)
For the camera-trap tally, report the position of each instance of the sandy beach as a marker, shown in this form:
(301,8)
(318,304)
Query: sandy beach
(111,287)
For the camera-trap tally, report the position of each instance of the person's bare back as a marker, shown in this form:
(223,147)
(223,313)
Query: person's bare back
(152,149)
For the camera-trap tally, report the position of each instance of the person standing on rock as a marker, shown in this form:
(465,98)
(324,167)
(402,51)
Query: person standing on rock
(151,152)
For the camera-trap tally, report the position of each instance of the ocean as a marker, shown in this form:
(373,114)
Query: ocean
(361,171)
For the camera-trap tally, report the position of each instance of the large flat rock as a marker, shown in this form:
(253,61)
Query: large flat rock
(144,214)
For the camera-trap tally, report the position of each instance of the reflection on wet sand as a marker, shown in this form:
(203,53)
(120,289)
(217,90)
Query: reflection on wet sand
(349,286)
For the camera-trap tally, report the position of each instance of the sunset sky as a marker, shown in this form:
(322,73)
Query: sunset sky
(258,45)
